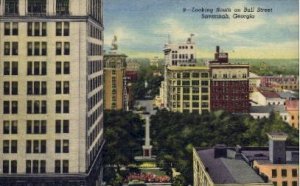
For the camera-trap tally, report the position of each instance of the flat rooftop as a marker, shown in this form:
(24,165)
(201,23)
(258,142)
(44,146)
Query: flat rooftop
(227,170)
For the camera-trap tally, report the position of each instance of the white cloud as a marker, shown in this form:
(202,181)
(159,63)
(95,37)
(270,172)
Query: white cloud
(287,20)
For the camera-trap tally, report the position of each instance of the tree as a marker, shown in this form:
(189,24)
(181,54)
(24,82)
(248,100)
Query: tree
(123,132)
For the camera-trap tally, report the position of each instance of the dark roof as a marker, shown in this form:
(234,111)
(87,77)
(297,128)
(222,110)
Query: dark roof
(286,95)
(269,94)
(226,170)
(267,109)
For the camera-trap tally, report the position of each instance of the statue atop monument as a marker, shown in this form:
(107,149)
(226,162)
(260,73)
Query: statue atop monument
(114,45)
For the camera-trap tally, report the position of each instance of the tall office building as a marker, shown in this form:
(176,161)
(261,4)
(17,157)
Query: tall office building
(177,54)
(188,89)
(229,86)
(114,81)
(51,106)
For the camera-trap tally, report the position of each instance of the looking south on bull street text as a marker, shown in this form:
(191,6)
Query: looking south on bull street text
(228,12)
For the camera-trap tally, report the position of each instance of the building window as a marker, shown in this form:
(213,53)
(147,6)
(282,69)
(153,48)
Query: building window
(10,68)
(294,183)
(57,146)
(36,107)
(57,166)
(62,126)
(36,88)
(62,7)
(5,166)
(8,31)
(6,48)
(294,172)
(35,166)
(58,48)
(12,145)
(10,127)
(62,106)
(40,29)
(15,48)
(40,48)
(11,7)
(37,68)
(62,28)
(36,146)
(66,48)
(10,88)
(6,107)
(66,67)
(65,166)
(284,183)
(36,7)
(13,166)
(65,146)
(274,173)
(283,173)
(36,126)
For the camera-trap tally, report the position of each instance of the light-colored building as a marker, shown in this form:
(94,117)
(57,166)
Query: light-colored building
(276,165)
(223,166)
(114,87)
(281,82)
(132,65)
(154,62)
(188,89)
(262,97)
(260,112)
(177,54)
(292,107)
(51,106)
(254,81)
(280,163)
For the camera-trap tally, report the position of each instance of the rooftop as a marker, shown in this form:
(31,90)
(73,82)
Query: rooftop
(188,68)
(227,170)
(292,104)
(267,109)
(269,94)
(286,95)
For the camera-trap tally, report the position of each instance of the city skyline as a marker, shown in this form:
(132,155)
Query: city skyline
(142,28)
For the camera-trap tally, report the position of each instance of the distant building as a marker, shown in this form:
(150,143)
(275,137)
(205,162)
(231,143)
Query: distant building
(254,82)
(154,62)
(263,97)
(114,87)
(281,82)
(278,162)
(188,89)
(180,54)
(222,165)
(260,112)
(229,86)
(292,107)
(132,65)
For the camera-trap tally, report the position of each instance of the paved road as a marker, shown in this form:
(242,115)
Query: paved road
(148,104)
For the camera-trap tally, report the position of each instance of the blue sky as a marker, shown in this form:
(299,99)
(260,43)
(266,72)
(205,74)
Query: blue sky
(142,27)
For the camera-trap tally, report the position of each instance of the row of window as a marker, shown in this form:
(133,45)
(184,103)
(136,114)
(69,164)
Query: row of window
(36,107)
(35,166)
(94,66)
(284,173)
(35,146)
(94,83)
(190,75)
(94,100)
(36,7)
(35,126)
(37,29)
(285,183)
(36,48)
